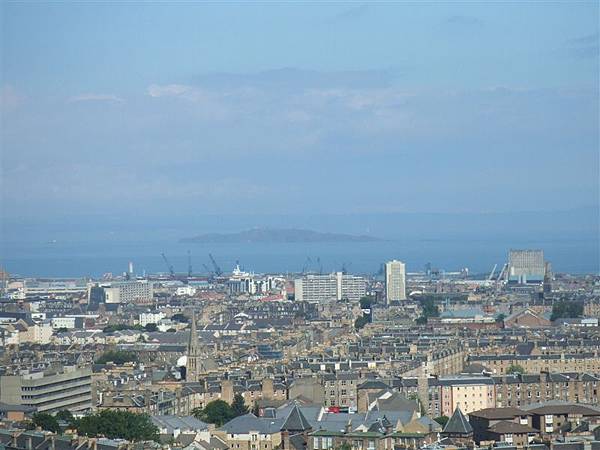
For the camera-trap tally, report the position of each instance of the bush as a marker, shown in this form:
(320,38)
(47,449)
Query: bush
(117,356)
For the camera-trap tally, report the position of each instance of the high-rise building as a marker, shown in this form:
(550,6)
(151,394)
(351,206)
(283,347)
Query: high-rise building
(526,266)
(395,281)
(334,286)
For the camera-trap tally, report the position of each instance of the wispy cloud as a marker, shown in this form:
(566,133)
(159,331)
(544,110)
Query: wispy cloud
(169,90)
(464,21)
(353,13)
(91,97)
(584,46)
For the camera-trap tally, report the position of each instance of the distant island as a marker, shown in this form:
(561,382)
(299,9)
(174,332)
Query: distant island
(275,235)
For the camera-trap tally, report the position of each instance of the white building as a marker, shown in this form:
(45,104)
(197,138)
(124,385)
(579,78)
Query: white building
(149,317)
(334,286)
(63,322)
(186,290)
(526,266)
(395,281)
(129,292)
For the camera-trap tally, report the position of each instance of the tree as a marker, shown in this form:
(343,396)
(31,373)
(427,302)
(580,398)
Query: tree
(65,415)
(179,317)
(361,322)
(366,302)
(46,422)
(117,356)
(514,368)
(151,327)
(500,318)
(566,310)
(442,420)
(429,308)
(238,406)
(118,425)
(421,320)
(217,412)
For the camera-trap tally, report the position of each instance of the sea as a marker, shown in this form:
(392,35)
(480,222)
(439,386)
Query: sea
(64,258)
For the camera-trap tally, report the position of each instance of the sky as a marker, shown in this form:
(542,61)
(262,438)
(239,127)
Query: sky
(144,110)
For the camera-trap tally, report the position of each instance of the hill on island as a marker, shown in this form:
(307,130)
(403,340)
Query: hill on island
(273,235)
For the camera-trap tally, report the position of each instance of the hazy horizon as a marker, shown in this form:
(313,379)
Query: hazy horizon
(424,120)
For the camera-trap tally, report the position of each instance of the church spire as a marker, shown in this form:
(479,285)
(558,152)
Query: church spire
(193,352)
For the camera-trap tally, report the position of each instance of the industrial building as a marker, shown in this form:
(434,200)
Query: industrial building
(526,266)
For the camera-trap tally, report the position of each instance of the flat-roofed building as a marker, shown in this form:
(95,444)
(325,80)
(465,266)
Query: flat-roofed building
(395,281)
(49,391)
(129,292)
(526,266)
(334,286)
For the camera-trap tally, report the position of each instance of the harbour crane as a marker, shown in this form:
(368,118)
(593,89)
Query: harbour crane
(491,276)
(189,264)
(306,265)
(218,271)
(169,265)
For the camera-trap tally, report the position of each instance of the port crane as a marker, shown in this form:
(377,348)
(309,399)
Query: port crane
(218,271)
(169,265)
(491,276)
(189,254)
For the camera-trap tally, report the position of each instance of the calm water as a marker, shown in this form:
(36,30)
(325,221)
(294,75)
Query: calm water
(94,258)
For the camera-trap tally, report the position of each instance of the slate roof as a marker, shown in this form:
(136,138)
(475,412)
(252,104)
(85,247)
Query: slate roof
(458,424)
(506,427)
(498,413)
(295,421)
(171,423)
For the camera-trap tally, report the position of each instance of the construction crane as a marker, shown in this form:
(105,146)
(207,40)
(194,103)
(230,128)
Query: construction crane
(218,271)
(306,265)
(189,264)
(169,266)
(491,276)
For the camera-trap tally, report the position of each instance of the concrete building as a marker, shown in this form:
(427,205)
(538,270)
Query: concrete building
(526,266)
(395,281)
(334,286)
(49,391)
(128,292)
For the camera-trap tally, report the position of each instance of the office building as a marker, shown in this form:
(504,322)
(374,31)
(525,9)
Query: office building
(49,391)
(526,266)
(395,281)
(334,286)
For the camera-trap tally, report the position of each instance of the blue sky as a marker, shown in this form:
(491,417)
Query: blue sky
(143,109)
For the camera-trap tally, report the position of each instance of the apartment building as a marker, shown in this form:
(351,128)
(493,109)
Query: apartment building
(522,389)
(334,286)
(129,292)
(575,362)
